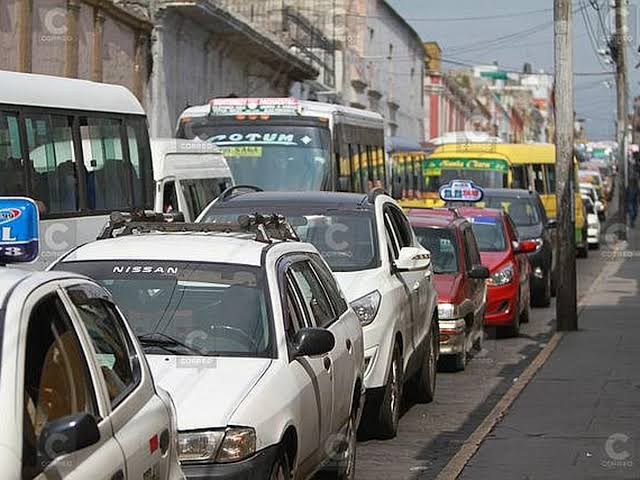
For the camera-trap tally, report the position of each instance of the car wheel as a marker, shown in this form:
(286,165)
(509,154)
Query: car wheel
(281,469)
(346,464)
(583,252)
(541,297)
(424,384)
(389,413)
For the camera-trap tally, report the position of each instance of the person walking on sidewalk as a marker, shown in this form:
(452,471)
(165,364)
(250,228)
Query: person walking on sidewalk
(633,197)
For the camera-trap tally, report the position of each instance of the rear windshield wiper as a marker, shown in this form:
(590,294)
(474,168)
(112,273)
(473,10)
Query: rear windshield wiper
(166,342)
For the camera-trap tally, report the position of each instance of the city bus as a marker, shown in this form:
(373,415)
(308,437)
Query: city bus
(406,158)
(80,149)
(287,144)
(496,165)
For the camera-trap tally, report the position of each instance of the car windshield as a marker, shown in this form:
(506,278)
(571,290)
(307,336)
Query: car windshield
(489,234)
(523,211)
(441,242)
(345,239)
(189,308)
(271,156)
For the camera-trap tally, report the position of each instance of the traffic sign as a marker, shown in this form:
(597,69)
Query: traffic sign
(461,191)
(19,230)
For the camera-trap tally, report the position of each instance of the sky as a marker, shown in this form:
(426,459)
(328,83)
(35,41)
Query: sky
(528,26)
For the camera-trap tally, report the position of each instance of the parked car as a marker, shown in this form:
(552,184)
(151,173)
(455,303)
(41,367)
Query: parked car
(188,175)
(250,333)
(593,222)
(76,393)
(526,210)
(387,277)
(459,281)
(508,294)
(591,191)
(594,178)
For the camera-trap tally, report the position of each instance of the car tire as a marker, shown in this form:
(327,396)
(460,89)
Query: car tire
(391,405)
(424,383)
(345,467)
(541,297)
(583,252)
(281,469)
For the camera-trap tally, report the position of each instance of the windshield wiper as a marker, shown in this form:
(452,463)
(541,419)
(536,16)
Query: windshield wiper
(166,342)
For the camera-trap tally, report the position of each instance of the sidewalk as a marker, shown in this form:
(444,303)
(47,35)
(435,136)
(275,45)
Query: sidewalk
(579,418)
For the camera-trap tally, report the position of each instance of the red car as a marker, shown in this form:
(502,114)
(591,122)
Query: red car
(459,280)
(508,286)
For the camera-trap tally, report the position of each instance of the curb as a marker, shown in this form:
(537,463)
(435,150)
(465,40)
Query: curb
(456,465)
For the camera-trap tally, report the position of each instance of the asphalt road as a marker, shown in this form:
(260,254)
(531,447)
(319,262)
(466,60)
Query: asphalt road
(429,435)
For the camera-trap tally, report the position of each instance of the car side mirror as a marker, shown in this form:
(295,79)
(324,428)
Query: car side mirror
(67,435)
(552,223)
(312,342)
(412,259)
(479,272)
(525,246)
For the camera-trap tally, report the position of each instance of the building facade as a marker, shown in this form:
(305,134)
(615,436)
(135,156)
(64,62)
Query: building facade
(367,55)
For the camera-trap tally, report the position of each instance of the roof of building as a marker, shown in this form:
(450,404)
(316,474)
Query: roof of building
(263,46)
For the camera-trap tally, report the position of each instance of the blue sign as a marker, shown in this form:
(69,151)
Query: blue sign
(461,191)
(19,230)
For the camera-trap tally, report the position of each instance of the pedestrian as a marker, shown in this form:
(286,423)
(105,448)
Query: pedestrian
(633,196)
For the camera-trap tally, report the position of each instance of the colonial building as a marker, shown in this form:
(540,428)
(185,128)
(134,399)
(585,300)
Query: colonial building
(170,54)
(368,56)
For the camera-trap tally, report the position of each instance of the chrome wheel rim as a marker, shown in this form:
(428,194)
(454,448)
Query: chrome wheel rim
(395,389)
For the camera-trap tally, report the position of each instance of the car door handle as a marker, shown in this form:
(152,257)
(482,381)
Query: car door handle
(119,475)
(348,344)
(327,363)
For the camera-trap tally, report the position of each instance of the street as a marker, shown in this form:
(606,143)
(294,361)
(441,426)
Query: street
(429,435)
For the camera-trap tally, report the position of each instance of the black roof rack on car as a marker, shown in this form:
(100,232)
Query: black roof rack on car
(374,193)
(266,228)
(229,192)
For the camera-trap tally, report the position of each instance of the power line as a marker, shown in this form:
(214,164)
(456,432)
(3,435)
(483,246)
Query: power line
(462,19)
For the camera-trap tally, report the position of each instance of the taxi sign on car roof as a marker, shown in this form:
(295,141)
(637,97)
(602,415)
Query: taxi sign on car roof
(461,191)
(19,233)
(254,106)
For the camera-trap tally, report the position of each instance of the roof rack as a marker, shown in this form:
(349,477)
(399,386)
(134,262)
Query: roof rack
(266,228)
(374,193)
(229,192)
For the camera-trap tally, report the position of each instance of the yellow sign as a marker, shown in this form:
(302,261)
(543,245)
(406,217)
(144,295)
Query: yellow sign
(242,151)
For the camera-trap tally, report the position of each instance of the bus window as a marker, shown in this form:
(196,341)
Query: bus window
(54,176)
(538,178)
(12,170)
(140,157)
(519,177)
(550,170)
(108,175)
(367,163)
(356,172)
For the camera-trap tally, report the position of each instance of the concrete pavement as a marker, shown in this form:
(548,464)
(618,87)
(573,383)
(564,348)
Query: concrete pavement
(579,418)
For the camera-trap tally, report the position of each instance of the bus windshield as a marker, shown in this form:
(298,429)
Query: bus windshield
(485,173)
(270,155)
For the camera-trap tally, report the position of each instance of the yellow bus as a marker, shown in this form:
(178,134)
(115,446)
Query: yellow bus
(496,165)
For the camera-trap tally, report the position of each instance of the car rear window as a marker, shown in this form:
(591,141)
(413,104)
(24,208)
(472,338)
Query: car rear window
(346,239)
(489,234)
(523,211)
(441,242)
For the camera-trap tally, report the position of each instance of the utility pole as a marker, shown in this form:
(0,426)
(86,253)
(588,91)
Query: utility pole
(618,48)
(566,305)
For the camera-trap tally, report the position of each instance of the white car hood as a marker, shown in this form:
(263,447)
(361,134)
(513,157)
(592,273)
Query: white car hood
(358,284)
(206,390)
